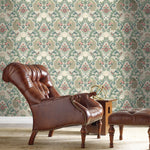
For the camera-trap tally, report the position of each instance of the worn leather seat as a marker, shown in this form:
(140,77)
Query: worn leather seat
(134,116)
(50,110)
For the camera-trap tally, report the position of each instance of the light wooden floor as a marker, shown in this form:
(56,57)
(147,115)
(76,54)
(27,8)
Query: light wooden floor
(15,137)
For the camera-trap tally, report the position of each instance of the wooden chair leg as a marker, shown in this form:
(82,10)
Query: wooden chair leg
(149,136)
(50,133)
(111,135)
(99,128)
(121,132)
(32,137)
(83,136)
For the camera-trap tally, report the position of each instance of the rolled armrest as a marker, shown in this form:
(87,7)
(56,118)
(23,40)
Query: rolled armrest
(85,100)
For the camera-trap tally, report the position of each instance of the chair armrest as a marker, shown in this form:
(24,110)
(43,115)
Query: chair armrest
(92,110)
(85,100)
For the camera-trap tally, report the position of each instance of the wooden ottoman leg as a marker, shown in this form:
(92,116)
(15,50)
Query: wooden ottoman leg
(121,131)
(111,135)
(149,136)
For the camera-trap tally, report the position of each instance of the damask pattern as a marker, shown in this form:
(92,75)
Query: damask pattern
(82,42)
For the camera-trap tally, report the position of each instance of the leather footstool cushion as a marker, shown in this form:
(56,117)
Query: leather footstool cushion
(136,116)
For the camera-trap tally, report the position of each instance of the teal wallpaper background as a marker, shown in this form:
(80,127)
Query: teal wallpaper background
(82,42)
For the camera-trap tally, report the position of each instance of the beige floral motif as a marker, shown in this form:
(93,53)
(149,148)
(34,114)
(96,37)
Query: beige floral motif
(99,63)
(92,44)
(57,24)
(141,63)
(113,24)
(133,82)
(71,24)
(8,5)
(78,5)
(30,24)
(145,75)
(120,44)
(4,55)
(99,24)
(119,83)
(133,44)
(16,24)
(113,63)
(140,102)
(146,36)
(92,5)
(120,5)
(37,5)
(78,44)
(24,112)
(133,5)
(140,25)
(78,82)
(9,44)
(4,16)
(51,44)
(50,5)
(36,44)
(92,81)
(71,63)
(16,102)
(57,63)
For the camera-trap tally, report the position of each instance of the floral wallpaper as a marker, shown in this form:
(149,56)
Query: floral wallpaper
(82,42)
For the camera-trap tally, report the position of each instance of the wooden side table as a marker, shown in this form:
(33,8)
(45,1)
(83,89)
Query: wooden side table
(107,106)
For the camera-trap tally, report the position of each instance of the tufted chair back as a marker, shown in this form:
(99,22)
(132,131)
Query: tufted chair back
(32,80)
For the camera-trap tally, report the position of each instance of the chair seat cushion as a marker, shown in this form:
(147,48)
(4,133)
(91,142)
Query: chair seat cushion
(136,116)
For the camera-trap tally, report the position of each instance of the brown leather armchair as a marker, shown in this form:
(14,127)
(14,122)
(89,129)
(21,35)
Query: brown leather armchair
(50,110)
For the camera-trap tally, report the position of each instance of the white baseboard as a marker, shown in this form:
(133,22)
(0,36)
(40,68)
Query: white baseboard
(16,120)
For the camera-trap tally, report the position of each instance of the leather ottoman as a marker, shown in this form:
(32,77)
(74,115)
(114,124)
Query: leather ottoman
(136,116)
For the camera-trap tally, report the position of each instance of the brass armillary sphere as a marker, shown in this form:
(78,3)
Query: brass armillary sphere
(100,91)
